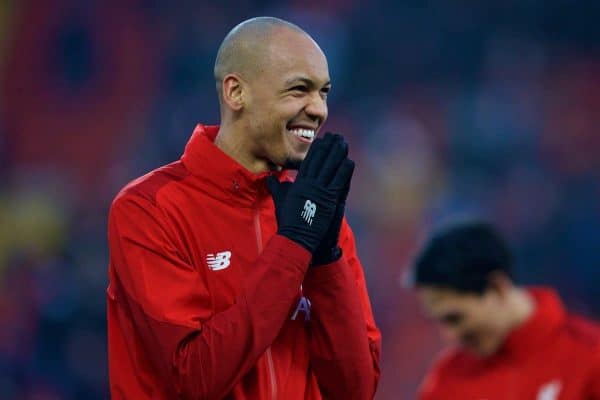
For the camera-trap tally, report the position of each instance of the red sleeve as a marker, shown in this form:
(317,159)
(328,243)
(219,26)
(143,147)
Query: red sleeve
(431,388)
(427,388)
(198,355)
(345,342)
(594,382)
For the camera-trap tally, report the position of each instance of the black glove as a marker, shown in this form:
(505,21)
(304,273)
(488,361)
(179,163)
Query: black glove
(329,249)
(306,208)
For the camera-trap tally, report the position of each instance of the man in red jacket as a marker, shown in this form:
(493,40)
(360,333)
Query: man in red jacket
(512,343)
(227,279)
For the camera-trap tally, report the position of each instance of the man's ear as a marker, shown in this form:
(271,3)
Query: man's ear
(499,282)
(233,88)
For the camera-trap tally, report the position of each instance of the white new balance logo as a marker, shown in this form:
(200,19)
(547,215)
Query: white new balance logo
(219,261)
(309,211)
(550,390)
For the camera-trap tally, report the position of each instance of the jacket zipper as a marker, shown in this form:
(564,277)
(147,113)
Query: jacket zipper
(272,374)
(268,354)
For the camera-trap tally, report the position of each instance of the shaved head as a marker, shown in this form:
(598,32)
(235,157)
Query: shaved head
(245,49)
(272,79)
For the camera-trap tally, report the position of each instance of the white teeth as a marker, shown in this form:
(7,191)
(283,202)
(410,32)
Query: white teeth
(305,133)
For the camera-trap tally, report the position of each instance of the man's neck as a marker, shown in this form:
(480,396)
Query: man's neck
(521,307)
(233,143)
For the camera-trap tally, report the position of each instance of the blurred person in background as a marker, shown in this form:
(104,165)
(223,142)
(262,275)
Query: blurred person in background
(510,342)
(227,278)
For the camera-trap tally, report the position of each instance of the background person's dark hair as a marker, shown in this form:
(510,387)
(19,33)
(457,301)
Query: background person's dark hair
(461,256)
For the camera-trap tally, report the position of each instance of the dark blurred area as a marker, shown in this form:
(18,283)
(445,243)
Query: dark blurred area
(487,107)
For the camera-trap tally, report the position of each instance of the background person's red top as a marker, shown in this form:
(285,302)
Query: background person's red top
(552,356)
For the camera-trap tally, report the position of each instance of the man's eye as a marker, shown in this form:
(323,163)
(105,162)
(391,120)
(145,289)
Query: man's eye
(451,319)
(299,88)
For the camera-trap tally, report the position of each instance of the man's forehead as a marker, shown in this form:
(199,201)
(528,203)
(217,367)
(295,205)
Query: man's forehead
(299,68)
(294,49)
(438,298)
(294,79)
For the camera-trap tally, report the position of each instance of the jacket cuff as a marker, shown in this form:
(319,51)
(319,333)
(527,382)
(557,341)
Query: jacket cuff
(327,272)
(286,249)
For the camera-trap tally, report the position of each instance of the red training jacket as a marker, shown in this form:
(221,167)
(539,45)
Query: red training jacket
(206,301)
(552,356)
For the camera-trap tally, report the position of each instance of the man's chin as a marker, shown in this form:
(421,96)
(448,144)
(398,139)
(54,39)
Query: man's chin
(480,351)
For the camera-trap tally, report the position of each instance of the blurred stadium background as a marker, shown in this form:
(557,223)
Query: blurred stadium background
(450,107)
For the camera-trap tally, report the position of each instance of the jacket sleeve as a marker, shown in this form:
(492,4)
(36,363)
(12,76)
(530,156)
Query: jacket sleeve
(198,355)
(436,383)
(427,388)
(345,342)
(594,381)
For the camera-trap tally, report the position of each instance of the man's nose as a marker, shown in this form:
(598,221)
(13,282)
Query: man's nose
(449,334)
(317,108)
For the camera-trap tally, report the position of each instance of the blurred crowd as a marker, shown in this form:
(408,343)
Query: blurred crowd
(489,107)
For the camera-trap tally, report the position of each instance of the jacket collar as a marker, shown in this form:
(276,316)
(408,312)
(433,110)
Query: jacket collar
(534,333)
(224,177)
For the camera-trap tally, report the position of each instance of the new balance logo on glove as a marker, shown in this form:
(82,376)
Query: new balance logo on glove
(219,261)
(309,211)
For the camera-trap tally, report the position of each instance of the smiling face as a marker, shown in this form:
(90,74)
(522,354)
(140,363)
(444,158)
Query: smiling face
(286,103)
(273,82)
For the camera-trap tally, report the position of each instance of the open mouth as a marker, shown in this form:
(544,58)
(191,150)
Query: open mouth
(303,134)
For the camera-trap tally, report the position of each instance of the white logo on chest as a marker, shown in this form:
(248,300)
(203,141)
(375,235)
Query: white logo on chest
(219,261)
(550,390)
